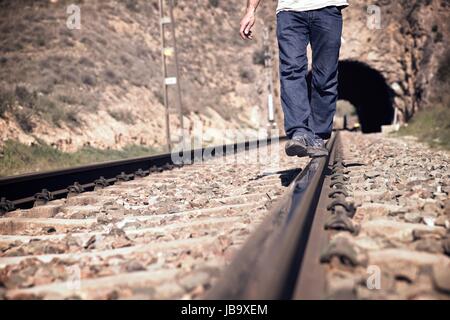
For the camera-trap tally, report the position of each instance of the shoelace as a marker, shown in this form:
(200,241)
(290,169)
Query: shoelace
(310,141)
(306,140)
(300,139)
(318,143)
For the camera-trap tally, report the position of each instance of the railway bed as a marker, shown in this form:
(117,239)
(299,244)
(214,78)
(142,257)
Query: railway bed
(167,235)
(370,221)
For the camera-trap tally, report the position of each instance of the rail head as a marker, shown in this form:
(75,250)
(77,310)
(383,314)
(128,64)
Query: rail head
(268,266)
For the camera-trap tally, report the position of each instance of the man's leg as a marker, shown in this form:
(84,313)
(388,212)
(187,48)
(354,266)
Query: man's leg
(293,38)
(326,32)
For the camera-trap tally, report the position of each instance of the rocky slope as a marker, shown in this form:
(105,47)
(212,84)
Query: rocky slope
(101,85)
(406,45)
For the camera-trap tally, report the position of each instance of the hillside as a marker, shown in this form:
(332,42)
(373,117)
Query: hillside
(101,86)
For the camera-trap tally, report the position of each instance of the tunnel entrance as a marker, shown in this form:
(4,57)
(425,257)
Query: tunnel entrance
(366,89)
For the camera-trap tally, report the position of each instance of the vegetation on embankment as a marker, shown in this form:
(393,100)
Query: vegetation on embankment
(432,125)
(57,79)
(17,158)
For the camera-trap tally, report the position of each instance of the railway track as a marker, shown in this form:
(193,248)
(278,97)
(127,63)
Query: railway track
(167,235)
(253,224)
(372,221)
(26,190)
(281,260)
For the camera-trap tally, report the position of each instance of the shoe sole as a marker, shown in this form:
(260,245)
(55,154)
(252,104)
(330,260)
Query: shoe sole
(296,150)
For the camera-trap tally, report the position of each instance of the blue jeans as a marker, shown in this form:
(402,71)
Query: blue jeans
(309,112)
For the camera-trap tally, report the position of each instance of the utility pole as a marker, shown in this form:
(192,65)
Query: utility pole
(167,19)
(271,123)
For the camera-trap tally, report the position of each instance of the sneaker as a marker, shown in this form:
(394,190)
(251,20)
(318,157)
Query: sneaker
(297,146)
(316,148)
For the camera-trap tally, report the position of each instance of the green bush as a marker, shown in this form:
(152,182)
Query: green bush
(432,125)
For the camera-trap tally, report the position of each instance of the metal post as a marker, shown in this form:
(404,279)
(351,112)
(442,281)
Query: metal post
(162,22)
(268,66)
(177,68)
(167,80)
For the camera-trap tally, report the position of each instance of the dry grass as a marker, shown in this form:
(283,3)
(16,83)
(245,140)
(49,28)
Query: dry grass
(25,105)
(17,158)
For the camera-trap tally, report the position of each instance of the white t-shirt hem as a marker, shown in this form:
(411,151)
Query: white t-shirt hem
(315,6)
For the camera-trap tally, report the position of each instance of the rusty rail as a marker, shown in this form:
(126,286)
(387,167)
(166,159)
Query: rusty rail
(270,264)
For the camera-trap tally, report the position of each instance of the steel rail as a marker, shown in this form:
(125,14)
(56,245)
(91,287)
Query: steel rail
(269,265)
(311,282)
(22,191)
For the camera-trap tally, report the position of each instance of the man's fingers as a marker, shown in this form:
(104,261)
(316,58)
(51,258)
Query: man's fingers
(243,31)
(243,36)
(248,30)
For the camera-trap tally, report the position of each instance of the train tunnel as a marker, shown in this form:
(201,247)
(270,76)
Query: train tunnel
(367,90)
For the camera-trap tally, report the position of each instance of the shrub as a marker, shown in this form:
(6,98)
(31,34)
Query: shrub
(89,80)
(86,62)
(68,99)
(247,75)
(122,116)
(259,57)
(159,95)
(132,5)
(431,125)
(25,97)
(111,77)
(443,73)
(214,3)
(23,118)
(7,100)
(56,113)
(41,41)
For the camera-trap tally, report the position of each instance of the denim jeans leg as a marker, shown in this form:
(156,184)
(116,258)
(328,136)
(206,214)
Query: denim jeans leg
(326,32)
(293,38)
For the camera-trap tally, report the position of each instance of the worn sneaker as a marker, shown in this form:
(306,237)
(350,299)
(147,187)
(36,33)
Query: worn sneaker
(316,148)
(298,146)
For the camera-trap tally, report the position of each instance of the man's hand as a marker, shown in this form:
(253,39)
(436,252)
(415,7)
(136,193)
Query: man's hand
(247,23)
